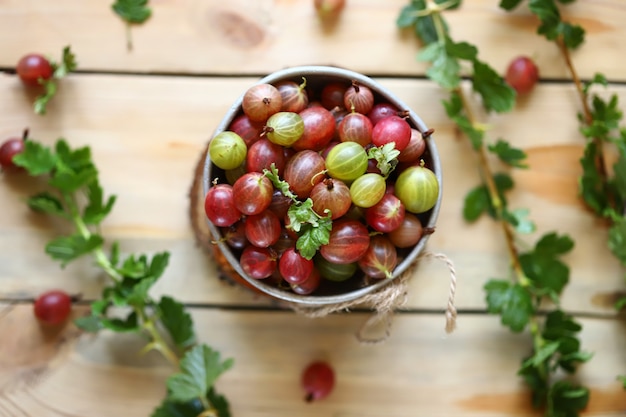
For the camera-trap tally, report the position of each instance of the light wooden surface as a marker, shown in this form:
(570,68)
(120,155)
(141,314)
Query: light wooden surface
(147,114)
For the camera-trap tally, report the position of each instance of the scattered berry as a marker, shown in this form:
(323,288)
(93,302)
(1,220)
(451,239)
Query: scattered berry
(318,380)
(53,307)
(522,74)
(8,150)
(32,68)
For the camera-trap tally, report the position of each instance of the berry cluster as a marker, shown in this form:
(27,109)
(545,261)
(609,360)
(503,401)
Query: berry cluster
(312,185)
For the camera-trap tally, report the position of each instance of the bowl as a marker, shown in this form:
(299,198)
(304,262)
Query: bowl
(360,285)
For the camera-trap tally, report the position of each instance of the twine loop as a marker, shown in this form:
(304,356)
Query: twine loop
(386,301)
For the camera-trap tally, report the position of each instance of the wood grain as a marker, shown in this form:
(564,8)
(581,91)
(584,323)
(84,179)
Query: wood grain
(148,114)
(261,36)
(470,373)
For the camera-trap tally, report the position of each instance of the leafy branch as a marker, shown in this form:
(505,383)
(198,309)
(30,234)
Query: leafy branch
(602,190)
(536,275)
(74,193)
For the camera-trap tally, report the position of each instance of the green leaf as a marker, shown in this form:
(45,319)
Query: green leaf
(567,399)
(548,275)
(177,322)
(573,35)
(508,154)
(68,248)
(551,244)
(219,403)
(454,109)
(622,378)
(619,169)
(90,324)
(541,355)
(134,267)
(512,301)
(509,4)
(617,240)
(125,325)
(132,11)
(69,181)
(44,202)
(541,265)
(476,202)
(444,69)
(312,237)
(598,79)
(519,219)
(114,257)
(76,160)
(553,27)
(200,368)
(408,14)
(461,50)
(96,209)
(536,379)
(159,264)
(591,184)
(386,157)
(136,292)
(562,328)
(68,63)
(496,94)
(169,408)
(36,158)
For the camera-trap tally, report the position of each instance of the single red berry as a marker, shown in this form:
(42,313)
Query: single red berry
(33,67)
(318,380)
(522,74)
(53,307)
(8,150)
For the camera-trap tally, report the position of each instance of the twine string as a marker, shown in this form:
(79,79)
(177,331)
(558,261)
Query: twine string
(386,301)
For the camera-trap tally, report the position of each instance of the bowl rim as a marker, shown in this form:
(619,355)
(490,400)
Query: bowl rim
(297,72)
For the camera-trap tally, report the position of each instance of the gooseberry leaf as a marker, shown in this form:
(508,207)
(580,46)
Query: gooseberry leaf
(36,158)
(313,237)
(497,95)
(518,218)
(476,203)
(508,154)
(444,68)
(67,64)
(567,399)
(455,111)
(68,248)
(509,4)
(169,408)
(199,369)
(97,209)
(132,11)
(177,321)
(617,239)
(511,301)
(45,202)
(386,157)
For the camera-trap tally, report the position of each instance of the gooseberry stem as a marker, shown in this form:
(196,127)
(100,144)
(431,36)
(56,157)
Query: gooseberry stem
(582,95)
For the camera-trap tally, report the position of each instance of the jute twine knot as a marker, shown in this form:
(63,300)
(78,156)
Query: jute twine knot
(386,301)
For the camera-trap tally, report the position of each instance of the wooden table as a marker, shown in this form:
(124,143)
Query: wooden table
(148,114)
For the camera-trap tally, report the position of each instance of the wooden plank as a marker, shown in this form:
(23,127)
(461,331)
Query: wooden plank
(147,143)
(418,370)
(219,37)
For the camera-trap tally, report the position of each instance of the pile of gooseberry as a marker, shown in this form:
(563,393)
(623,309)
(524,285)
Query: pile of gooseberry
(334,150)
